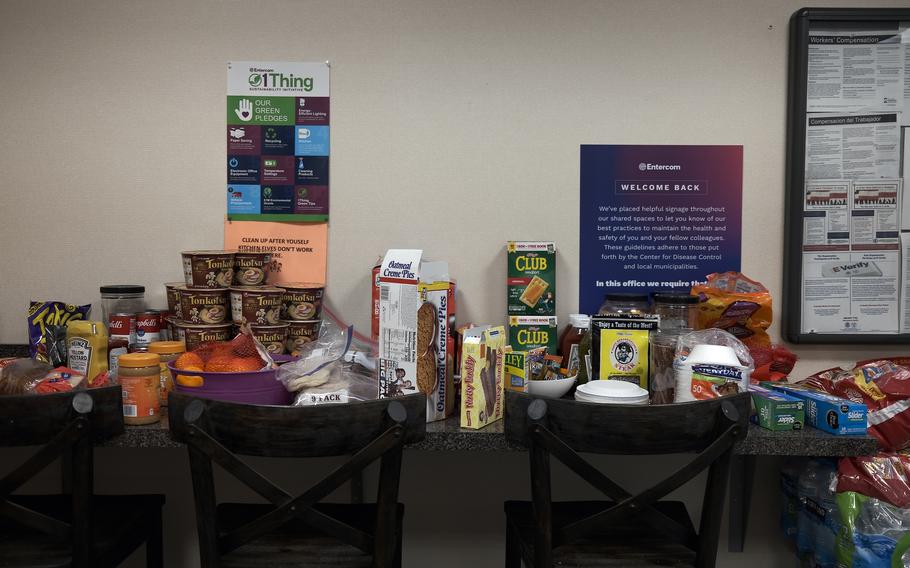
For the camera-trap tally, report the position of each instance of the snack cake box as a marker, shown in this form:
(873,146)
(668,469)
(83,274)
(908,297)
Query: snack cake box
(776,410)
(516,370)
(482,358)
(828,413)
(531,278)
(531,332)
(416,309)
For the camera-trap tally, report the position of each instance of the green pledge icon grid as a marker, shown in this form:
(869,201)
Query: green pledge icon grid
(278,141)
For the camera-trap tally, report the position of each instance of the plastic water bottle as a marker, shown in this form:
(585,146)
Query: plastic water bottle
(827,519)
(807,492)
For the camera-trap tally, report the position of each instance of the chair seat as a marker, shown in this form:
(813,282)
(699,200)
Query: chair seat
(631,543)
(117,523)
(295,543)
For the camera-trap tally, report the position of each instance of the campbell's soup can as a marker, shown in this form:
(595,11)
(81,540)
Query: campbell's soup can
(122,325)
(148,327)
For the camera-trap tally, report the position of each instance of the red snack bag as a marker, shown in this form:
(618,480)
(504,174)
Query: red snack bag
(884,476)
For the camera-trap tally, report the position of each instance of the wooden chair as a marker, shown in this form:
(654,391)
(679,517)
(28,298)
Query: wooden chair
(298,530)
(78,529)
(628,530)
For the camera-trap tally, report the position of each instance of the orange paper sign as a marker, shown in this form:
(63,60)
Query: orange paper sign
(298,249)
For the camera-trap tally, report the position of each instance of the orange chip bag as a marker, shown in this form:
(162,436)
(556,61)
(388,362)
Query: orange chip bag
(737,304)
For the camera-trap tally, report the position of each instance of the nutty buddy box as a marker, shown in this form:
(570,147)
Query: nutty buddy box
(482,362)
(416,315)
(531,278)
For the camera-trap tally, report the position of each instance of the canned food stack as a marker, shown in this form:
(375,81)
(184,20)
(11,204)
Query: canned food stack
(226,289)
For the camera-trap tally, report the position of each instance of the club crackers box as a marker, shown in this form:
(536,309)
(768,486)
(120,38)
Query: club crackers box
(531,332)
(531,278)
(826,412)
(482,363)
(775,410)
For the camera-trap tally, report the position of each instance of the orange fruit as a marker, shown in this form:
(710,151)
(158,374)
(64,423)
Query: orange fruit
(225,363)
(190,362)
(190,380)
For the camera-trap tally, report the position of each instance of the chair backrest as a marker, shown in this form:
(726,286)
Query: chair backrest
(562,428)
(219,431)
(66,424)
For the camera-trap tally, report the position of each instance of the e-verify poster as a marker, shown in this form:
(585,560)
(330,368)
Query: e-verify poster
(657,217)
(278,141)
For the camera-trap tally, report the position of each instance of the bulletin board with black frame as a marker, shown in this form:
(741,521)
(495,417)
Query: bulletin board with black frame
(848,112)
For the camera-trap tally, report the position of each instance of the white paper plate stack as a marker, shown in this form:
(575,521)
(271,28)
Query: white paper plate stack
(611,392)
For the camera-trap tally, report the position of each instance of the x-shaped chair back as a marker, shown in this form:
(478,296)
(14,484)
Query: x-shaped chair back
(65,425)
(216,431)
(562,428)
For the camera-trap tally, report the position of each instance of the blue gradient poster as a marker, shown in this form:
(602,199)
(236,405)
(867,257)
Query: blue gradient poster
(657,217)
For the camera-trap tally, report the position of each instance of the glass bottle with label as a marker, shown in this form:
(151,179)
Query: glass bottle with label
(570,339)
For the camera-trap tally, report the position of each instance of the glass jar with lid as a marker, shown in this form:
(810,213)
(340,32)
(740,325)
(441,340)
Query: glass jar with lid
(677,310)
(122,299)
(630,303)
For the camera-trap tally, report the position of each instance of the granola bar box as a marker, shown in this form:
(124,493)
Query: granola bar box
(531,278)
(482,363)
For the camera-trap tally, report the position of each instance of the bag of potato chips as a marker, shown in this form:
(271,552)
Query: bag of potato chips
(736,304)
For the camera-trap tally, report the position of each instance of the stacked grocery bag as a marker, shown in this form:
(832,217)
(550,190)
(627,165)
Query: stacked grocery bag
(855,512)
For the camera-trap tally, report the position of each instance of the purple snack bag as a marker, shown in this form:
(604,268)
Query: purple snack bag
(42,314)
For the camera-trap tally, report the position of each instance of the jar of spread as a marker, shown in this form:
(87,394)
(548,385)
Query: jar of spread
(140,378)
(168,351)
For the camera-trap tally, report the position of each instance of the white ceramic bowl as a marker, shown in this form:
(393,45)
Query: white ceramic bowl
(555,388)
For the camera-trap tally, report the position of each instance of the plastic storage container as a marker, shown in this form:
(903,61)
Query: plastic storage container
(122,298)
(676,310)
(624,303)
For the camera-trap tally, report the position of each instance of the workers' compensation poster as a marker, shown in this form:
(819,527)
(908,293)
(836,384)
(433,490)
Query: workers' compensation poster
(657,217)
(278,141)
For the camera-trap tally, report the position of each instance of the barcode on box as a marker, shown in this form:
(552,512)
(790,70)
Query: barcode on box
(130,410)
(384,293)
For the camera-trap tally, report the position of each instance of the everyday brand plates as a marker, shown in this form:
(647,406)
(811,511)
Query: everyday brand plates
(611,392)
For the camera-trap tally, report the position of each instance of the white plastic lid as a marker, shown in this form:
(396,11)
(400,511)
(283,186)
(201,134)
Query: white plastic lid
(580,320)
(612,389)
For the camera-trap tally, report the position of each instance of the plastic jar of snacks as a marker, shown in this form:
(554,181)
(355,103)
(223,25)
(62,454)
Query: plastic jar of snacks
(168,351)
(624,303)
(122,298)
(140,377)
(677,310)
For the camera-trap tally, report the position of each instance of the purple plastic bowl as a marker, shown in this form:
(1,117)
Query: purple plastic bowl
(255,387)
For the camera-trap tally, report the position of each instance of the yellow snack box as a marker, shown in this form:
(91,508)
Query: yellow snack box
(482,355)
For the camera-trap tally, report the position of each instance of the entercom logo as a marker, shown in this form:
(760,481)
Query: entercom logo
(647,167)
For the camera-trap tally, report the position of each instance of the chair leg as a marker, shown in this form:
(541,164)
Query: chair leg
(513,551)
(154,544)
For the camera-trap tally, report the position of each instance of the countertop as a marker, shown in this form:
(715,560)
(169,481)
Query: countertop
(446,435)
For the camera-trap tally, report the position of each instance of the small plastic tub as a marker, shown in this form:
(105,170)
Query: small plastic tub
(208,268)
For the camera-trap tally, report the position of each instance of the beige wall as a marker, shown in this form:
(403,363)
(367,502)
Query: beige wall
(456,126)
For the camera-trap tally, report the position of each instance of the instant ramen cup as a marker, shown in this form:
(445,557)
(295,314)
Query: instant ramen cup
(300,333)
(256,304)
(173,298)
(195,335)
(302,301)
(251,268)
(208,268)
(272,337)
(204,305)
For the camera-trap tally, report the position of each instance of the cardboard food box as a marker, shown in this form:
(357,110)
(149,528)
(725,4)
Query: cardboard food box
(416,312)
(619,347)
(828,413)
(531,332)
(482,360)
(531,278)
(516,370)
(776,410)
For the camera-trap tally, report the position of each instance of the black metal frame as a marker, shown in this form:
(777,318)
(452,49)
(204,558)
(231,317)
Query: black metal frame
(800,24)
